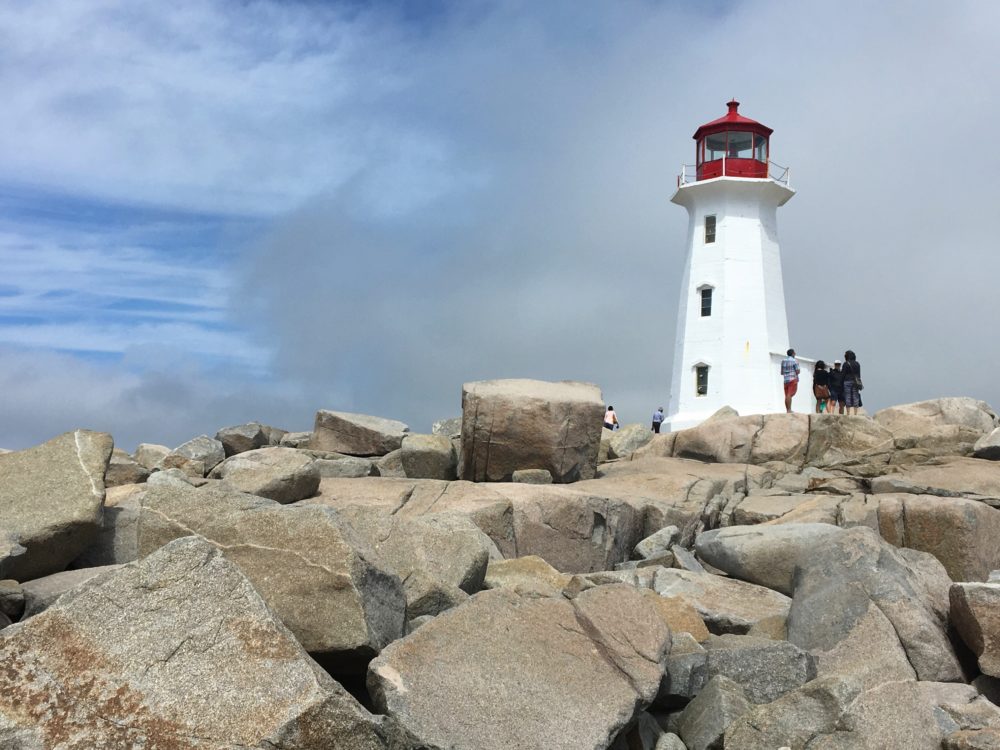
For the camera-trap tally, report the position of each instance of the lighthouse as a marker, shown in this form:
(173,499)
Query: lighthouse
(732,331)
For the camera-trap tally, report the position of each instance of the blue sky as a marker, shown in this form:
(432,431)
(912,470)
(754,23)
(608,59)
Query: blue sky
(212,212)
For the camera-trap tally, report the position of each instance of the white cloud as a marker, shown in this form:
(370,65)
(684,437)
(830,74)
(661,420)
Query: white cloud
(486,195)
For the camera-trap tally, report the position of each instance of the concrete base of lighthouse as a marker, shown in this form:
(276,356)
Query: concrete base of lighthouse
(761,402)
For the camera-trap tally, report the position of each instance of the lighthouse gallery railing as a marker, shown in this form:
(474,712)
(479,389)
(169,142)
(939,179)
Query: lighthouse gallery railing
(776,172)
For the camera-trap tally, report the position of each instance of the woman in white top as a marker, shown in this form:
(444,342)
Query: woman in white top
(610,418)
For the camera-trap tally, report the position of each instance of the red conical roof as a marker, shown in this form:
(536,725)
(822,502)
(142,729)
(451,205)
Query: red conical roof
(732,120)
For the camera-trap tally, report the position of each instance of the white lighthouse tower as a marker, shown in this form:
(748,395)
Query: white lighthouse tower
(732,332)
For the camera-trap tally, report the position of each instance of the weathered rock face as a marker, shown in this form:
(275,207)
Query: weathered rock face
(962,534)
(765,555)
(356,434)
(11,599)
(323,583)
(705,719)
(530,424)
(428,457)
(765,669)
(348,467)
(502,671)
(203,450)
(281,474)
(863,607)
(975,611)
(441,559)
(242,438)
(531,476)
(526,576)
(988,446)
(624,442)
(954,477)
(850,443)
(10,550)
(449,428)
(726,605)
(123,469)
(117,539)
(656,544)
(178,650)
(836,713)
(942,426)
(50,501)
(150,455)
(42,593)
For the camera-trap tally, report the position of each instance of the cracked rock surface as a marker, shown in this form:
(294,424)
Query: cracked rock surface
(175,651)
(501,671)
(50,501)
(324,583)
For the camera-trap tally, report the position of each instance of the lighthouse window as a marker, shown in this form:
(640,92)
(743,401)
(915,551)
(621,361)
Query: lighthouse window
(740,145)
(709,229)
(760,148)
(706,302)
(701,380)
(715,146)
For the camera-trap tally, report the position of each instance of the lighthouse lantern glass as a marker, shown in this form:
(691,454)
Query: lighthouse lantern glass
(740,145)
(760,148)
(715,146)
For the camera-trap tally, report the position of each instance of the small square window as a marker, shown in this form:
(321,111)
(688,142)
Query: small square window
(701,380)
(706,302)
(709,229)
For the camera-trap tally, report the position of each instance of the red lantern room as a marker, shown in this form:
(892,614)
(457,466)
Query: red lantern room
(732,146)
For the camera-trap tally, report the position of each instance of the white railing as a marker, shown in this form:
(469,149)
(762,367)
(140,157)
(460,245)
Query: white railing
(781,175)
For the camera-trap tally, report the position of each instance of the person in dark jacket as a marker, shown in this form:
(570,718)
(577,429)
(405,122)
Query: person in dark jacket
(821,386)
(836,377)
(852,379)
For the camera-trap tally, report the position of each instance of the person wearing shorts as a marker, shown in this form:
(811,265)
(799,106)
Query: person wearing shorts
(790,374)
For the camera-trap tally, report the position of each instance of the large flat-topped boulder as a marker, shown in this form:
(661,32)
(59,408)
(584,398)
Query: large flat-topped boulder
(941,426)
(356,434)
(176,651)
(50,501)
(530,424)
(503,671)
(324,583)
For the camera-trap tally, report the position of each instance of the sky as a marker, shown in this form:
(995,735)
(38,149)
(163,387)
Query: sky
(217,212)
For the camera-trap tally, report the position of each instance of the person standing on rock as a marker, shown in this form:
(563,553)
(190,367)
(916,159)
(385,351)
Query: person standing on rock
(610,419)
(836,387)
(852,382)
(790,374)
(821,386)
(658,420)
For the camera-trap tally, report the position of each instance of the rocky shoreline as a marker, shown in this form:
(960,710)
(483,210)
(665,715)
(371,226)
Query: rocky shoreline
(520,578)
